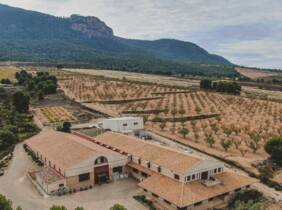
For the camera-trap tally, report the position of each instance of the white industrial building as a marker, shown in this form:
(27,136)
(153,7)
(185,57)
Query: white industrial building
(123,124)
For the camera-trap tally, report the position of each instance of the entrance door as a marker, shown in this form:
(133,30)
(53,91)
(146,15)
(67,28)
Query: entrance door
(101,174)
(205,175)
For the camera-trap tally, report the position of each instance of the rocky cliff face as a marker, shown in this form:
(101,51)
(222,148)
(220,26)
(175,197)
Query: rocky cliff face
(90,26)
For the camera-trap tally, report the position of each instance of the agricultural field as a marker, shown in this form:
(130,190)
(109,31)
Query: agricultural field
(159,79)
(53,115)
(233,127)
(8,72)
(256,74)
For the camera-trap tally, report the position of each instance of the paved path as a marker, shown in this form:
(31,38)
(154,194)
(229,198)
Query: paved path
(16,186)
(267,191)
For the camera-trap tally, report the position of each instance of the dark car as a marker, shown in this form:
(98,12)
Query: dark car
(1,172)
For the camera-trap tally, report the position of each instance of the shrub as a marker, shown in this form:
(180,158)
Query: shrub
(274,148)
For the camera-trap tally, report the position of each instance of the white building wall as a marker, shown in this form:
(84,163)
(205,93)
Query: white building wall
(124,125)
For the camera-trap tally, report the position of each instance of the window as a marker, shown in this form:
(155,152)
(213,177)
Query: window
(101,160)
(117,169)
(124,124)
(197,204)
(159,169)
(135,170)
(188,178)
(139,161)
(149,165)
(176,176)
(83,177)
(61,185)
(193,176)
(144,174)
(135,123)
(215,170)
(219,170)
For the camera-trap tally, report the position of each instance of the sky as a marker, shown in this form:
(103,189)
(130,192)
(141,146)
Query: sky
(246,32)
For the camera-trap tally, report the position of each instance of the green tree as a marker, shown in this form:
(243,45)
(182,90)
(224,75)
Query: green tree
(226,144)
(40,95)
(183,132)
(21,102)
(250,205)
(79,208)
(58,208)
(7,138)
(19,208)
(5,204)
(274,148)
(206,84)
(162,125)
(118,207)
(65,128)
(210,140)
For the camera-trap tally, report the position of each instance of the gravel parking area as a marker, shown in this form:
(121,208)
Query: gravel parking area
(17,187)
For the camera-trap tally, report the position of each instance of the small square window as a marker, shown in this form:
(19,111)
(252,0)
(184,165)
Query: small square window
(135,123)
(124,125)
(176,176)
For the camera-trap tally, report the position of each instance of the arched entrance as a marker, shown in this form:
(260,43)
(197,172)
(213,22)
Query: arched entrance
(101,170)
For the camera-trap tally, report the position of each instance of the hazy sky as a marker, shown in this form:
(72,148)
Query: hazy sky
(247,32)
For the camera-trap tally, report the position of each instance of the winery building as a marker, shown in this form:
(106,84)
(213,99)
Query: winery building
(172,178)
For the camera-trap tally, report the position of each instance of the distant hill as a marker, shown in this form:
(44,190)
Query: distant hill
(36,37)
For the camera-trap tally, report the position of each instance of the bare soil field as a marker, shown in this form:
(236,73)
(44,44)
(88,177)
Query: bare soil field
(263,94)
(255,73)
(166,80)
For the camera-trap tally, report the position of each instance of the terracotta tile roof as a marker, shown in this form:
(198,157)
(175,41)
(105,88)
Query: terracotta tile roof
(163,156)
(65,150)
(185,194)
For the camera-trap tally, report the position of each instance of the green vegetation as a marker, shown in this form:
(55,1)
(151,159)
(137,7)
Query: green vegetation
(247,200)
(39,85)
(21,102)
(6,204)
(274,148)
(142,199)
(15,123)
(118,207)
(221,86)
(66,127)
(33,41)
(58,208)
(6,81)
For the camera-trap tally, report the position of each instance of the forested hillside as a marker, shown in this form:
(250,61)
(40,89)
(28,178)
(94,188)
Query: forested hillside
(36,37)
